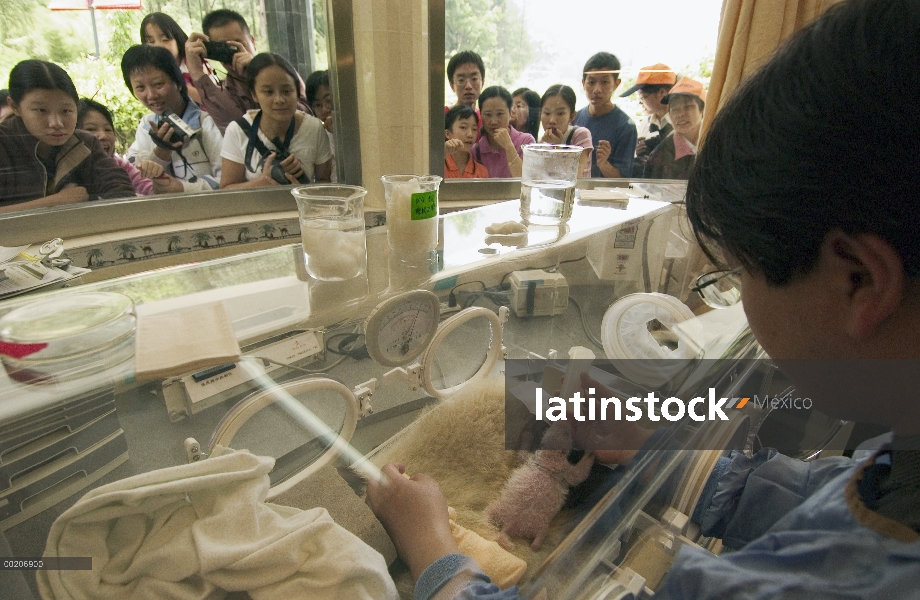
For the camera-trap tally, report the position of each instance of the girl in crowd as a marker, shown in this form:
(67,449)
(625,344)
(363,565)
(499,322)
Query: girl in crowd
(499,148)
(159,29)
(254,142)
(675,155)
(557,110)
(152,75)
(147,177)
(44,161)
(525,111)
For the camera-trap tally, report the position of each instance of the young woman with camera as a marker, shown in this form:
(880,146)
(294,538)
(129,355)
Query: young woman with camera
(178,136)
(276,144)
(44,161)
(159,29)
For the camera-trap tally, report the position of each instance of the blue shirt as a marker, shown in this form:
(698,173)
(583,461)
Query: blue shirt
(617,128)
(796,529)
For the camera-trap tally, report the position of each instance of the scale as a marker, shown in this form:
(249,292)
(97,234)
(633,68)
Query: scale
(405,327)
(311,419)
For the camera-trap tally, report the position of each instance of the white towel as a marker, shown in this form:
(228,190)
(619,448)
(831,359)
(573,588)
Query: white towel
(197,531)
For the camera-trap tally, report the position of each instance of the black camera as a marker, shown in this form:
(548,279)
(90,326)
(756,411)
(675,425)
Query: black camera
(278,173)
(220,51)
(652,142)
(182,131)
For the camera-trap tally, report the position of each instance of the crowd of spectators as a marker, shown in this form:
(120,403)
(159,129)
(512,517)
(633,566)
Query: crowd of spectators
(614,145)
(260,125)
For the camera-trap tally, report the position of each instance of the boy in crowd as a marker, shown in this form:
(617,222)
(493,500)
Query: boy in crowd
(613,132)
(466,73)
(825,245)
(460,129)
(228,100)
(653,83)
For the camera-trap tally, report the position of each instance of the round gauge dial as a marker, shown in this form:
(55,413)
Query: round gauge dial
(401,327)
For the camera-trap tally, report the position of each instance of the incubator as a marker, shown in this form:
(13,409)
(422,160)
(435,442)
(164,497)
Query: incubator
(335,374)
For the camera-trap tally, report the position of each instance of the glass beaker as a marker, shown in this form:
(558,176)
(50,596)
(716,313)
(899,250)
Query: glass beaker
(332,230)
(548,183)
(412,212)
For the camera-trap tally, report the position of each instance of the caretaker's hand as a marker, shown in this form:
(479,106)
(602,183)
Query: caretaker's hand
(414,513)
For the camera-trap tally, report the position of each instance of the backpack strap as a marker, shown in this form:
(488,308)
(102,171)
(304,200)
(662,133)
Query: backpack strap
(568,137)
(256,143)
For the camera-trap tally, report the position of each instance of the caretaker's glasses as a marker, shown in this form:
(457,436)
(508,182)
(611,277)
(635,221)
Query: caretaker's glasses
(719,289)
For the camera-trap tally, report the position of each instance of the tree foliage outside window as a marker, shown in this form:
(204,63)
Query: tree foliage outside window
(494,29)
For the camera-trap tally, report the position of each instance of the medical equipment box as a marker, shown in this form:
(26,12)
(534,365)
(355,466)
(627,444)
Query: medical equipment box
(538,293)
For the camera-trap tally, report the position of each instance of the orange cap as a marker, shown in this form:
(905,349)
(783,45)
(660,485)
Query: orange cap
(657,74)
(687,87)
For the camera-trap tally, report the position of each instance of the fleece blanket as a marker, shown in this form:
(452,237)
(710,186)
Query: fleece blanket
(197,531)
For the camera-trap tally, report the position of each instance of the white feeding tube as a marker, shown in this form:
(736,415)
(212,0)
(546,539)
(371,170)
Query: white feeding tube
(316,426)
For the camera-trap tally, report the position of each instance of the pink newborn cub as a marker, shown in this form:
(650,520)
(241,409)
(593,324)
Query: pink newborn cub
(533,495)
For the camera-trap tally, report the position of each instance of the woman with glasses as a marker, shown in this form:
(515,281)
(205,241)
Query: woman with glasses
(191,157)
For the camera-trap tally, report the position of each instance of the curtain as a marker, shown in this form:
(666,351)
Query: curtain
(749,32)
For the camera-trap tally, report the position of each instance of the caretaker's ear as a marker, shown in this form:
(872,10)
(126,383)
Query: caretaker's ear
(871,272)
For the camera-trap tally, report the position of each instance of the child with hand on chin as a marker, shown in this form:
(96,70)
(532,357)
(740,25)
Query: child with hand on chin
(557,111)
(460,130)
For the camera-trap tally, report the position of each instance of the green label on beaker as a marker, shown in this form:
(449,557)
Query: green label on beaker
(424,205)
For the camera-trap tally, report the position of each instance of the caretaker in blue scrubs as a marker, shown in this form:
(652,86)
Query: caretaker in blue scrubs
(808,186)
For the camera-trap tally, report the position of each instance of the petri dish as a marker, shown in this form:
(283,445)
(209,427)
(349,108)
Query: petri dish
(67,336)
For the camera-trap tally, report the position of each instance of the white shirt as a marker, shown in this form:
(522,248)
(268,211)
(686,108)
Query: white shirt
(645,123)
(202,153)
(310,145)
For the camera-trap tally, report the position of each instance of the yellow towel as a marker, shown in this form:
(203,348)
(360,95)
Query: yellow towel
(502,567)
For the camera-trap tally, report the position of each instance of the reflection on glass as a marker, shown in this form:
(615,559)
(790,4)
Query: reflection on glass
(461,354)
(274,431)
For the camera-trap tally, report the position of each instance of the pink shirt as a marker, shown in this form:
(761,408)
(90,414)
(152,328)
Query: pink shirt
(142,186)
(581,136)
(494,160)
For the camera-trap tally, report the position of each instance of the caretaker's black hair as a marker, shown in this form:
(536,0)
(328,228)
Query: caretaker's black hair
(602,61)
(34,74)
(461,111)
(169,27)
(495,91)
(137,58)
(464,57)
(806,146)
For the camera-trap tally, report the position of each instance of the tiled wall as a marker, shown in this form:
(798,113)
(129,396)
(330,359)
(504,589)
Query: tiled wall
(391,56)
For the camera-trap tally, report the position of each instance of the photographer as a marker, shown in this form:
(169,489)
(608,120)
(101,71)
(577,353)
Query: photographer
(276,144)
(178,135)
(653,83)
(226,39)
